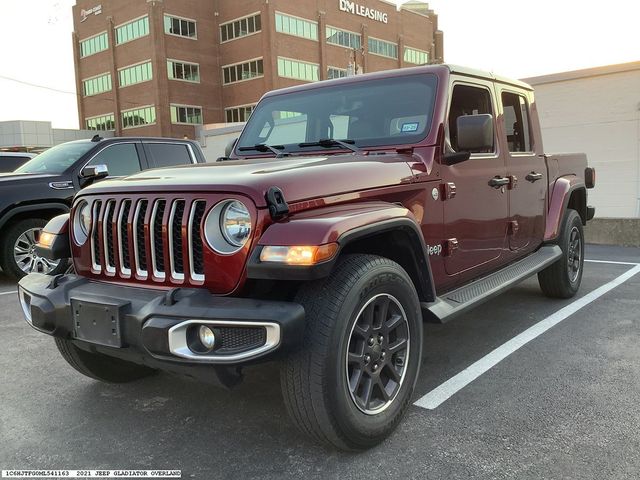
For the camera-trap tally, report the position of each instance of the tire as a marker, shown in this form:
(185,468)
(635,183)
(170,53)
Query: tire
(26,229)
(315,379)
(563,278)
(101,367)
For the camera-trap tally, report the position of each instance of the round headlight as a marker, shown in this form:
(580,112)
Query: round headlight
(82,223)
(235,223)
(228,226)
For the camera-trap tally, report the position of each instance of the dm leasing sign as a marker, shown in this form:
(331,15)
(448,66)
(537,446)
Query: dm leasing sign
(356,9)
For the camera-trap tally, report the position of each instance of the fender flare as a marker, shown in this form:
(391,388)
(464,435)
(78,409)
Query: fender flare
(32,207)
(561,193)
(345,226)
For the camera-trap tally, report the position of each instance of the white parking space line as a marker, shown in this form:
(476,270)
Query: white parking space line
(14,292)
(612,262)
(440,394)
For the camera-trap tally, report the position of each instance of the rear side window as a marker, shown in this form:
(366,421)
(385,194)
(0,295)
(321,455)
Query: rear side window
(516,122)
(169,154)
(121,159)
(467,100)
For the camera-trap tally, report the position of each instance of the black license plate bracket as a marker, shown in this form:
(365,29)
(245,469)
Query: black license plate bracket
(98,322)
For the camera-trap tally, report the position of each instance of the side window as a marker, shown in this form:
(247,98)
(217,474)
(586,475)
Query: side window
(467,100)
(121,159)
(169,154)
(516,122)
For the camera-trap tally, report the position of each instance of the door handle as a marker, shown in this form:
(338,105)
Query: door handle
(533,177)
(497,181)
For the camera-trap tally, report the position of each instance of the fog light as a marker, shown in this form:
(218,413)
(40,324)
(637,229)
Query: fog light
(207,337)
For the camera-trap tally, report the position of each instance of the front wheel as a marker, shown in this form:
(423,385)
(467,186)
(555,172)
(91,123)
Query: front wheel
(563,278)
(18,255)
(352,381)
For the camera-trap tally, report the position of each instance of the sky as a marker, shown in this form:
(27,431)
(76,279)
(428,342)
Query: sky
(509,37)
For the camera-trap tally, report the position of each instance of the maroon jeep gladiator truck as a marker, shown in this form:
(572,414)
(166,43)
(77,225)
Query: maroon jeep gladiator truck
(347,213)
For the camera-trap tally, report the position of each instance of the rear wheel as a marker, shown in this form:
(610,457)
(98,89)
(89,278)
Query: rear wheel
(101,367)
(18,254)
(563,278)
(352,381)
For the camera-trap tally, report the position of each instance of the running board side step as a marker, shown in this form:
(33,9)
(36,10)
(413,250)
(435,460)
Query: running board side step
(456,302)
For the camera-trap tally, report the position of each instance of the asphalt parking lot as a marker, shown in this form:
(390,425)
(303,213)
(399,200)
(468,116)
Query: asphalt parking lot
(564,405)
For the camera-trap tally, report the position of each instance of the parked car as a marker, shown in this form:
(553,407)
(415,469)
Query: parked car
(44,187)
(346,214)
(9,161)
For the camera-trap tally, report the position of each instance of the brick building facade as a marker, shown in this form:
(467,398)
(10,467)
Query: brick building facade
(157,67)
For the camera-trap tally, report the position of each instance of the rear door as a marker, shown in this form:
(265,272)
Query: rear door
(526,169)
(475,219)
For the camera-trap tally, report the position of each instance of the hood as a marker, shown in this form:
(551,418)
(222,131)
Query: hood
(299,178)
(26,178)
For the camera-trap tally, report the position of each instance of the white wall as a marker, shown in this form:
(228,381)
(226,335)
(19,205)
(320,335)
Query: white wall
(214,138)
(598,115)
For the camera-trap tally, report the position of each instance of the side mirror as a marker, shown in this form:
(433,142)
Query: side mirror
(475,132)
(229,148)
(91,173)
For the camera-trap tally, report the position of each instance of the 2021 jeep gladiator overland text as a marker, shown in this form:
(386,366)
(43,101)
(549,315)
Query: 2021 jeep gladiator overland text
(347,213)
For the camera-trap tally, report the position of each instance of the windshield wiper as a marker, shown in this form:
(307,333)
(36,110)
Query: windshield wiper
(262,147)
(331,142)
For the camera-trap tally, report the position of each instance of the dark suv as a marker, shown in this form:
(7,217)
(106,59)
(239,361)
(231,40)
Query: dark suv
(45,186)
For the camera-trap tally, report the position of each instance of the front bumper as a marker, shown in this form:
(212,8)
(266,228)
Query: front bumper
(154,327)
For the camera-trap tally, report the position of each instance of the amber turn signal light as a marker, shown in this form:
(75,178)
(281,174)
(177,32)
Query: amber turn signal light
(46,239)
(299,254)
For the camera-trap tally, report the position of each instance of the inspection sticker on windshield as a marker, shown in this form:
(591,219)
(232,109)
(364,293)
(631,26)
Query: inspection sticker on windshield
(410,127)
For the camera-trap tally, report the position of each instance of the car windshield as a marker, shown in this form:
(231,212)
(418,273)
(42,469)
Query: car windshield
(56,159)
(389,111)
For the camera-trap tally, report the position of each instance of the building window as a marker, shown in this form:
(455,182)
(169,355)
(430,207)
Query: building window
(186,114)
(239,114)
(96,85)
(344,38)
(93,45)
(298,27)
(242,71)
(298,70)
(240,28)
(142,72)
(132,30)
(189,72)
(418,57)
(101,122)
(385,49)
(334,72)
(180,26)
(139,116)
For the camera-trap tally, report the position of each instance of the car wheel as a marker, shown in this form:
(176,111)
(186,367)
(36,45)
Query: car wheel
(101,367)
(563,278)
(352,381)
(19,256)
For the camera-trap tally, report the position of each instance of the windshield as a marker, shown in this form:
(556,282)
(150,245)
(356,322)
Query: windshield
(56,159)
(389,111)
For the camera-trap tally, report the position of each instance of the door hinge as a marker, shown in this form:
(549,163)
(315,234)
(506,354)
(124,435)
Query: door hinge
(450,246)
(513,227)
(448,190)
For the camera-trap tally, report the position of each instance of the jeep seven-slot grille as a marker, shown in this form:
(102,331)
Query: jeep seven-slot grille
(134,237)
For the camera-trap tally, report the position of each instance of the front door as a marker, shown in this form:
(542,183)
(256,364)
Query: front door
(527,172)
(476,218)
